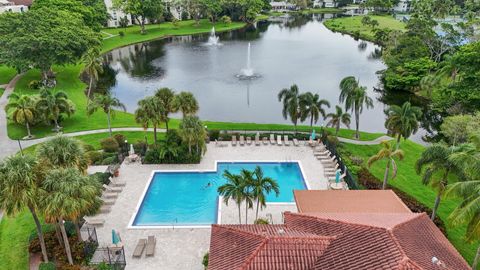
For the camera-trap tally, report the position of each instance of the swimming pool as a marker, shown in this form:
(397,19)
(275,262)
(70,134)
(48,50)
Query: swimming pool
(185,198)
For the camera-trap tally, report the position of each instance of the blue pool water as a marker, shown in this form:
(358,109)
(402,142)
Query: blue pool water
(184,198)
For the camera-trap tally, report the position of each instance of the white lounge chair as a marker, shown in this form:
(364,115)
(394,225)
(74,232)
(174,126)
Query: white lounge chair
(257,140)
(295,142)
(249,141)
(285,138)
(94,221)
(234,140)
(242,140)
(265,140)
(279,140)
(333,179)
(105,209)
(272,139)
(117,183)
(112,189)
(327,159)
(108,201)
(109,195)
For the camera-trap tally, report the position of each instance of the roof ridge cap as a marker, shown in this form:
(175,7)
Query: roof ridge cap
(414,216)
(252,256)
(343,222)
(233,228)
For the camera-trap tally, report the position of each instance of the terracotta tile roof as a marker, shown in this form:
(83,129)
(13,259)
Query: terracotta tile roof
(381,220)
(349,201)
(22,2)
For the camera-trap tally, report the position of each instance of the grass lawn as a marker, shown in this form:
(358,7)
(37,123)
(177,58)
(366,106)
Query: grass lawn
(1,91)
(350,25)
(408,181)
(321,10)
(6,74)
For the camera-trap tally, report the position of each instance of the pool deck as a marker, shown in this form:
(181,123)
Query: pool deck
(183,248)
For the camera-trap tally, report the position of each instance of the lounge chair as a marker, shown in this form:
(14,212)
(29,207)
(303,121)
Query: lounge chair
(327,159)
(94,221)
(285,138)
(242,140)
(112,189)
(117,183)
(257,140)
(265,140)
(151,242)
(105,209)
(234,140)
(108,201)
(295,142)
(249,141)
(137,253)
(332,179)
(109,195)
(272,139)
(279,140)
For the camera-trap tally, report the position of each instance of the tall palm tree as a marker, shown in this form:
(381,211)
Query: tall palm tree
(312,106)
(403,121)
(233,189)
(261,186)
(53,104)
(68,194)
(92,66)
(166,98)
(355,98)
(149,111)
(290,98)
(389,155)
(186,103)
(337,118)
(437,159)
(22,109)
(193,133)
(63,152)
(19,189)
(107,103)
(247,179)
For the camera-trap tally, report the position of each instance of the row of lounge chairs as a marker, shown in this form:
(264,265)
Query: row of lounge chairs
(265,140)
(109,196)
(329,162)
(145,244)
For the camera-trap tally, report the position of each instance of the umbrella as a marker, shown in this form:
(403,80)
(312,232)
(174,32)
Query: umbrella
(115,237)
(337,176)
(132,151)
(313,135)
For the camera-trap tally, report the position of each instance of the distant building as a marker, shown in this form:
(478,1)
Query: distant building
(115,15)
(325,4)
(283,6)
(403,6)
(11,6)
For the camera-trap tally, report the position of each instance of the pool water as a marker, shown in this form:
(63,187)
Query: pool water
(186,198)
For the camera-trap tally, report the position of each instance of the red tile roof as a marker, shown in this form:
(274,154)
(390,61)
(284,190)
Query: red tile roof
(340,241)
(22,2)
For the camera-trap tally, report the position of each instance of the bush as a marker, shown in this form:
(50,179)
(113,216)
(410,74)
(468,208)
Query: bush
(120,140)
(225,19)
(34,84)
(47,266)
(103,178)
(94,157)
(103,266)
(140,148)
(88,147)
(109,145)
(109,161)
(261,221)
(205,260)
(121,33)
(214,134)
(152,156)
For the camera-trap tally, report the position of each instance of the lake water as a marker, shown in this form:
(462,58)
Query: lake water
(284,51)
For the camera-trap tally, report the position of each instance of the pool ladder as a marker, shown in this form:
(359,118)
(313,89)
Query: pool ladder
(175,221)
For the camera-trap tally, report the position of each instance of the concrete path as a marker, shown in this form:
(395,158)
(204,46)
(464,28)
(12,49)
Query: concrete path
(7,146)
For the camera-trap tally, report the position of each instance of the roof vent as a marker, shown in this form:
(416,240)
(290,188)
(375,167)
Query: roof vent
(436,261)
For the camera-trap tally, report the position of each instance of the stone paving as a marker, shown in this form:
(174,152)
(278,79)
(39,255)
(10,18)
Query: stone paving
(183,248)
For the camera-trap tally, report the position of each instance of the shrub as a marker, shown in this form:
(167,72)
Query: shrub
(205,260)
(140,148)
(88,147)
(94,157)
(225,19)
(47,266)
(120,139)
(152,156)
(109,161)
(261,221)
(103,266)
(34,84)
(121,33)
(103,178)
(109,145)
(214,134)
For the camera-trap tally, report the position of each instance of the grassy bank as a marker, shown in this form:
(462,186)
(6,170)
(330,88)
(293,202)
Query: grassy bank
(321,10)
(353,25)
(1,91)
(6,74)
(408,181)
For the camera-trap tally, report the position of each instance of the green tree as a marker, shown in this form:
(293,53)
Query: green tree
(389,155)
(193,133)
(213,8)
(141,10)
(337,118)
(186,103)
(53,104)
(436,160)
(290,98)
(233,189)
(62,152)
(149,111)
(248,196)
(402,121)
(93,66)
(312,106)
(21,110)
(355,98)
(19,189)
(261,186)
(107,103)
(166,97)
(458,128)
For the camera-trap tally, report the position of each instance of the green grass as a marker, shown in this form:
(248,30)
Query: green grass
(321,10)
(6,74)
(350,25)
(1,91)
(408,181)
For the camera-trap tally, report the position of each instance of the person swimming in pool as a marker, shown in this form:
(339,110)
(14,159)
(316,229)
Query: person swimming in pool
(209,184)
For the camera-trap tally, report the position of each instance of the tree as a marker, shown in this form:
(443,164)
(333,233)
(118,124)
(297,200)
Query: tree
(355,97)
(291,104)
(213,8)
(166,97)
(439,166)
(149,111)
(107,103)
(22,110)
(43,37)
(261,186)
(19,189)
(337,118)
(245,10)
(312,106)
(233,189)
(141,10)
(186,103)
(93,66)
(402,121)
(67,195)
(458,128)
(193,133)
(248,197)
(366,20)
(62,152)
(389,155)
(194,9)
(53,104)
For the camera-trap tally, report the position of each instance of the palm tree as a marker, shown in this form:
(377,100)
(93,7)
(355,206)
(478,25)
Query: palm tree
(22,109)
(67,195)
(168,149)
(389,155)
(63,152)
(19,189)
(166,97)
(337,118)
(291,104)
(53,104)
(149,111)
(247,180)
(193,133)
(186,103)
(93,67)
(106,102)
(312,106)
(261,186)
(355,98)
(233,189)
(439,166)
(402,121)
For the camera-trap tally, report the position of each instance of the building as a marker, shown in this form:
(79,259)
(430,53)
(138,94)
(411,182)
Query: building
(115,15)
(325,4)
(12,6)
(282,6)
(342,230)
(403,6)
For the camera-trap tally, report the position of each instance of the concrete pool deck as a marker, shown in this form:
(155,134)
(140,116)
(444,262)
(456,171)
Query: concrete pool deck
(183,248)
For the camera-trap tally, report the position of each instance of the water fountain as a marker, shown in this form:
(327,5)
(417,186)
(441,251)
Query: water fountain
(213,40)
(248,72)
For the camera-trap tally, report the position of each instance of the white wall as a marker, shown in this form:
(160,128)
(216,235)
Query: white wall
(115,15)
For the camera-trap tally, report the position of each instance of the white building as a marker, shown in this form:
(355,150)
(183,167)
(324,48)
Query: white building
(282,6)
(10,6)
(115,15)
(403,6)
(325,4)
